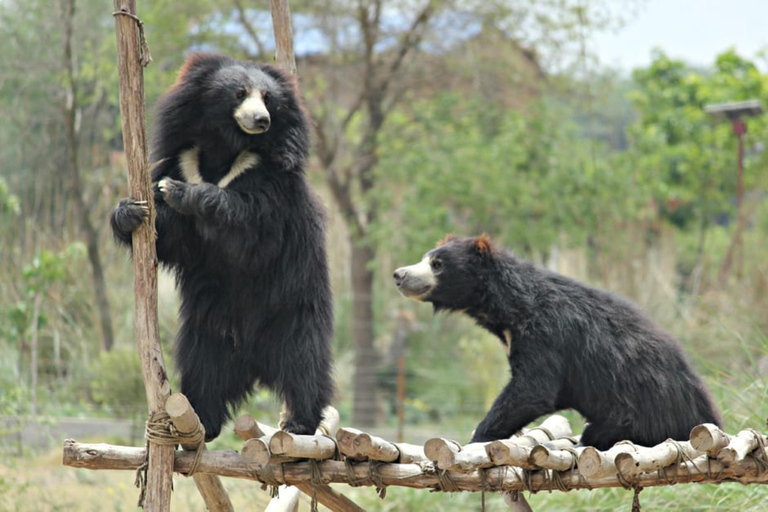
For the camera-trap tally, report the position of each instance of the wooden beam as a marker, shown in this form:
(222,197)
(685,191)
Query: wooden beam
(187,422)
(256,451)
(130,48)
(281,24)
(500,478)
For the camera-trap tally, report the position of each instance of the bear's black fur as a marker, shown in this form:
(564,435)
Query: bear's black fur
(569,346)
(244,234)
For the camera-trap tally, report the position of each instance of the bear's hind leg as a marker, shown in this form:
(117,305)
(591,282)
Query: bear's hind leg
(307,390)
(205,375)
(603,436)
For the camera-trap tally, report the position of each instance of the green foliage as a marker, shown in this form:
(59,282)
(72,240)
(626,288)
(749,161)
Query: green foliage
(116,381)
(526,179)
(9,203)
(687,161)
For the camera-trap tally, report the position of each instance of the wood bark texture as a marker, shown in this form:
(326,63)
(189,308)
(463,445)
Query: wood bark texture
(131,82)
(186,421)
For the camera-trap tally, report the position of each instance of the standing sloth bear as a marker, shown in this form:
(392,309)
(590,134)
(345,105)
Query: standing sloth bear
(568,345)
(239,226)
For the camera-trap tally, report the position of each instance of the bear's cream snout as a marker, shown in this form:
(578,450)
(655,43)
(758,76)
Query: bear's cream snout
(252,115)
(415,281)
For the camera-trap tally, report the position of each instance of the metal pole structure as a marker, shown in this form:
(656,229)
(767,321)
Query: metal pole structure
(735,113)
(739,130)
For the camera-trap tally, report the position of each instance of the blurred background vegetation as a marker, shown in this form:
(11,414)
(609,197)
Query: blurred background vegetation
(429,117)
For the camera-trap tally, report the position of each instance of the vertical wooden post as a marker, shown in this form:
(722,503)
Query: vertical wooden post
(281,24)
(160,470)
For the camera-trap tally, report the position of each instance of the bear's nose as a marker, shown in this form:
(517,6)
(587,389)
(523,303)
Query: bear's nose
(399,276)
(261,122)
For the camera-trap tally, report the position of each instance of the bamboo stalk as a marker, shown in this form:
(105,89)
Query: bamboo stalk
(186,422)
(131,84)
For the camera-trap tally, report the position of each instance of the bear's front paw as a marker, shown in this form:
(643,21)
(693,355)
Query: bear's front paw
(173,192)
(128,215)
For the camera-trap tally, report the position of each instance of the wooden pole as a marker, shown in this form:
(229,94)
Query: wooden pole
(281,24)
(186,422)
(500,478)
(131,80)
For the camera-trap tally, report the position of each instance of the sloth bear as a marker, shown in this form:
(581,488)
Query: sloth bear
(568,346)
(239,226)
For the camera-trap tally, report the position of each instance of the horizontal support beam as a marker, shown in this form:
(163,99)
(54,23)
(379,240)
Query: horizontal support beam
(501,478)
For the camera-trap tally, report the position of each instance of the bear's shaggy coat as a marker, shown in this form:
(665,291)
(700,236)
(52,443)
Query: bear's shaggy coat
(239,226)
(569,346)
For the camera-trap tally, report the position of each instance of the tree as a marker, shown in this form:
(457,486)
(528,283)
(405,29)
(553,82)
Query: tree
(686,161)
(367,57)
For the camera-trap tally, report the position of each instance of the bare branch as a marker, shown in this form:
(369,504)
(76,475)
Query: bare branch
(343,195)
(410,40)
(248,26)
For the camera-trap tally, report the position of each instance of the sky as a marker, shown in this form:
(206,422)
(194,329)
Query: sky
(693,30)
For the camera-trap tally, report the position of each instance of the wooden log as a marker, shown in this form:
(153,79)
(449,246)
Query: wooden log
(345,439)
(159,482)
(318,447)
(434,446)
(546,456)
(506,452)
(186,422)
(708,438)
(246,427)
(287,500)
(741,445)
(376,448)
(229,463)
(596,464)
(556,425)
(256,451)
(518,505)
(646,460)
(281,24)
(410,453)
(330,422)
(471,457)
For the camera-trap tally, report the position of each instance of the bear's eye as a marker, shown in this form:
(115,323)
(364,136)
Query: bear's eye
(436,265)
(240,93)
(266,97)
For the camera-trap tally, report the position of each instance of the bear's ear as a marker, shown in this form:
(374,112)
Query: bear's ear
(194,60)
(483,245)
(445,240)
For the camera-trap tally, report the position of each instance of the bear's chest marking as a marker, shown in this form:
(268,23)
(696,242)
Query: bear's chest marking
(507,341)
(189,163)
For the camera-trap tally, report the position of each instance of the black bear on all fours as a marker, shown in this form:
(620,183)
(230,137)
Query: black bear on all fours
(245,237)
(568,345)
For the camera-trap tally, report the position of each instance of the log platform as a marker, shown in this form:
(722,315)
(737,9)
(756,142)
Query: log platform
(543,458)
